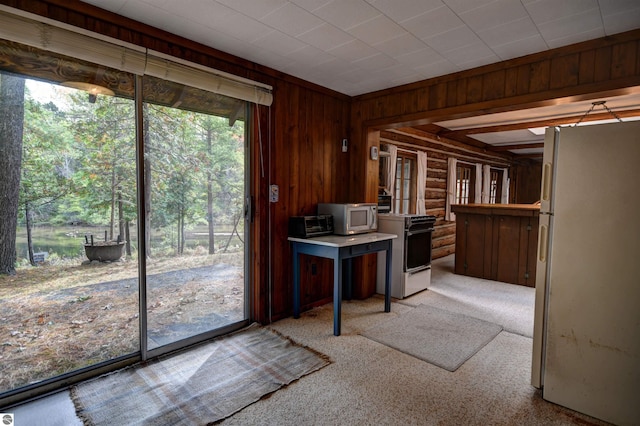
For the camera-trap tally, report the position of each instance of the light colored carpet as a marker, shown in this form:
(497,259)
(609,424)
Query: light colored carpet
(197,386)
(439,337)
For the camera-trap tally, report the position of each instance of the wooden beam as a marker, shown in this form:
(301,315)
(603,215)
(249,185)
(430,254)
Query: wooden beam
(538,123)
(499,148)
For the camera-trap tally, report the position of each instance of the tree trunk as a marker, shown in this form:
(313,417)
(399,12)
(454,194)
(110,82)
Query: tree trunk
(27,218)
(112,222)
(120,214)
(11,128)
(128,238)
(212,241)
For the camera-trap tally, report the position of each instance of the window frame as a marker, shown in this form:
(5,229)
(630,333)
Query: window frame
(469,169)
(401,199)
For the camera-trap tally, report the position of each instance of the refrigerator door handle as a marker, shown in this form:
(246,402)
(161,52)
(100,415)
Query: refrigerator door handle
(543,246)
(546,182)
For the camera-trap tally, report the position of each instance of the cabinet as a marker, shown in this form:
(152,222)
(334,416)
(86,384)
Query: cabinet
(497,242)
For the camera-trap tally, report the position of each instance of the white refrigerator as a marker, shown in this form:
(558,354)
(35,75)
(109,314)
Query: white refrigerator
(586,345)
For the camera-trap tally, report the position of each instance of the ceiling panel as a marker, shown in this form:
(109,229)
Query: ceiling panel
(464,33)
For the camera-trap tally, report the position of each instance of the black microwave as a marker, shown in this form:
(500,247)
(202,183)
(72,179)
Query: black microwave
(310,226)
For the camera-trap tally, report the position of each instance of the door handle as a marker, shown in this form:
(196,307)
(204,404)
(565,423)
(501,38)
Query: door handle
(543,243)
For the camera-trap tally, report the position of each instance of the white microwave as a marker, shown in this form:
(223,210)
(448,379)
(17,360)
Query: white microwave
(351,218)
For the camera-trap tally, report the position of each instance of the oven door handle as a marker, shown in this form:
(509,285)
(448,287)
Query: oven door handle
(421,231)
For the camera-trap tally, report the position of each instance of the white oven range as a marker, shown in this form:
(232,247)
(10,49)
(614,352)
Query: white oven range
(411,255)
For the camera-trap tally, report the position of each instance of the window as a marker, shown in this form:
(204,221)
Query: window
(405,186)
(465,184)
(495,186)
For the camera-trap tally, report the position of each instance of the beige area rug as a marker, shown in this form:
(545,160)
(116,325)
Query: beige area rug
(198,386)
(440,337)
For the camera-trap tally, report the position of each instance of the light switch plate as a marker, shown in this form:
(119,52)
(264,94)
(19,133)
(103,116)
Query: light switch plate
(374,152)
(274,193)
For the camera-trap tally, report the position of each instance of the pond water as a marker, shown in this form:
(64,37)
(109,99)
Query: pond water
(68,241)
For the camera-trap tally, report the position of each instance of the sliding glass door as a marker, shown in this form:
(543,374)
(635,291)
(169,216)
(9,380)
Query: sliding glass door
(68,232)
(125,233)
(194,164)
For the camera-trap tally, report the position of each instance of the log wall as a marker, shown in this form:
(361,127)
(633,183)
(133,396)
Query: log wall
(438,152)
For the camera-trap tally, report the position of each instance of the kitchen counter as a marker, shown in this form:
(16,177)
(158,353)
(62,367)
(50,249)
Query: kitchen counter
(497,241)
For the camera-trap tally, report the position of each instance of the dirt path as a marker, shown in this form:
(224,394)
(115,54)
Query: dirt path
(53,331)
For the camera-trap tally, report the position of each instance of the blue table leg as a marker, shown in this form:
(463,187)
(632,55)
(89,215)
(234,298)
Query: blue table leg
(337,294)
(348,291)
(296,281)
(387,282)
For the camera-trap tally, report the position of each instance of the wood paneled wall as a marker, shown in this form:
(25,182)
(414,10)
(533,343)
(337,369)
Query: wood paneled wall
(309,167)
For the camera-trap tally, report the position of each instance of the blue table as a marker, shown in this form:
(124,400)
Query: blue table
(339,248)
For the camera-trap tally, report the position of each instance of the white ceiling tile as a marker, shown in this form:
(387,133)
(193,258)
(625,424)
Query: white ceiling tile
(509,31)
(612,7)
(252,8)
(352,76)
(270,59)
(311,5)
(345,14)
(476,53)
(368,45)
(241,26)
(394,73)
(452,39)
(402,10)
(461,6)
(399,46)
(353,50)
(375,62)
(568,27)
(311,56)
(209,12)
(326,37)
(279,43)
(436,21)
(332,67)
(112,6)
(435,69)
(292,20)
(494,14)
(623,21)
(406,79)
(419,58)
(377,30)
(575,38)
(520,47)
(543,11)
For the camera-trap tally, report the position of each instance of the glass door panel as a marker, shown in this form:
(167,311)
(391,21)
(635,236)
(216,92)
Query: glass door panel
(194,160)
(69,170)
